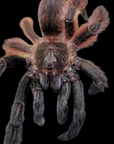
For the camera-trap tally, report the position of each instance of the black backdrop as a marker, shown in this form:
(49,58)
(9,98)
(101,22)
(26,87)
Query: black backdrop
(98,125)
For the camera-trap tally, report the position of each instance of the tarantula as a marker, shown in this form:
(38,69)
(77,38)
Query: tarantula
(52,61)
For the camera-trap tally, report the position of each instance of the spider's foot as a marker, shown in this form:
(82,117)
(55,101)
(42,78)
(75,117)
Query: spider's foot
(39,120)
(78,112)
(13,134)
(64,137)
(14,127)
(75,127)
(95,88)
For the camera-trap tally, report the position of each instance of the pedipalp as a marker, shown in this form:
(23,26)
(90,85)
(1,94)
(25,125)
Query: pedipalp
(38,102)
(62,100)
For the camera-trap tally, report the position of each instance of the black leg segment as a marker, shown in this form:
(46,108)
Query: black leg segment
(99,78)
(14,127)
(78,112)
(13,61)
(95,88)
(2,66)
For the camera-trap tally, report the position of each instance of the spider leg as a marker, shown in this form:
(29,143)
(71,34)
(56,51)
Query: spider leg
(78,112)
(2,66)
(87,33)
(55,84)
(12,61)
(14,127)
(38,102)
(95,73)
(62,100)
(17,46)
(26,25)
(71,19)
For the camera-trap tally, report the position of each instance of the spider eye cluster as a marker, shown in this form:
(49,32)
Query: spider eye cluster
(49,67)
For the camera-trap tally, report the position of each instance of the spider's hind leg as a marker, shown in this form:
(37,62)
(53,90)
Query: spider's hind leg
(12,61)
(14,127)
(78,111)
(38,102)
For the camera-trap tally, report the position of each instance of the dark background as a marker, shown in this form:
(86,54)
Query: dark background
(98,123)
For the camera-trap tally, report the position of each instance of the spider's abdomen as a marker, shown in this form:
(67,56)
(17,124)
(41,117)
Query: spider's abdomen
(50,17)
(51,57)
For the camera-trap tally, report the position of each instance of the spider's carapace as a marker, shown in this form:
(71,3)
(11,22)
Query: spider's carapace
(51,57)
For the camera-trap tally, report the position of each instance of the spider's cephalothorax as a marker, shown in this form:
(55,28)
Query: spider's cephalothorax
(52,61)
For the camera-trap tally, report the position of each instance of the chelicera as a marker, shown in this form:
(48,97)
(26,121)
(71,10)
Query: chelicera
(52,61)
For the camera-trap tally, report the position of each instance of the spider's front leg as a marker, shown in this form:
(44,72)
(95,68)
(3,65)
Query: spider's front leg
(62,109)
(14,127)
(95,73)
(38,102)
(78,110)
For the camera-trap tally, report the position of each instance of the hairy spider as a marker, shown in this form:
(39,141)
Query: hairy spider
(52,61)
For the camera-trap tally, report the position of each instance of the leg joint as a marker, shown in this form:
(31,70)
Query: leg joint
(5,64)
(78,62)
(19,101)
(73,77)
(31,73)
(36,88)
